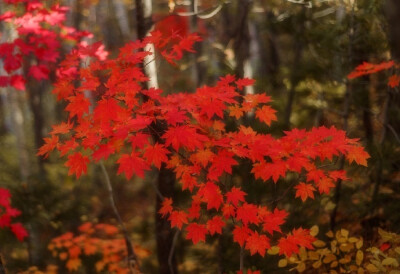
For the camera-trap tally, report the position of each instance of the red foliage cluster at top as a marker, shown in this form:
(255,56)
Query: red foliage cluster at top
(37,47)
(186,133)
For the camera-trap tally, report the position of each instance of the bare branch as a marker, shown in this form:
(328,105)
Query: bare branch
(172,250)
(131,257)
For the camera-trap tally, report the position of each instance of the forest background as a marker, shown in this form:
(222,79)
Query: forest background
(299,52)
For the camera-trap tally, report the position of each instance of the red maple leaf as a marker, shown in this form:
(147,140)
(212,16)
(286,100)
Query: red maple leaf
(299,238)
(166,207)
(247,213)
(266,114)
(19,231)
(304,191)
(40,72)
(272,170)
(156,155)
(324,185)
(184,136)
(196,232)
(257,243)
(215,225)
(235,195)
(211,194)
(130,164)
(240,234)
(221,163)
(78,105)
(244,82)
(178,218)
(77,164)
(49,146)
(273,220)
(358,155)
(103,152)
(394,81)
(61,128)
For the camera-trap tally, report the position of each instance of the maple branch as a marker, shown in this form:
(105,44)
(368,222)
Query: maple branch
(241,258)
(284,194)
(154,184)
(172,250)
(131,257)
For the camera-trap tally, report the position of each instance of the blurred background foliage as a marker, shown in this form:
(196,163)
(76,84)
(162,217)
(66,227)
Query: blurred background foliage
(299,52)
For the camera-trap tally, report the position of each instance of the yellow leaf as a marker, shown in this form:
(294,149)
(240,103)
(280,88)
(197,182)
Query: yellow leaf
(386,236)
(329,234)
(314,230)
(73,264)
(377,263)
(390,261)
(353,240)
(359,257)
(353,268)
(301,267)
(313,255)
(334,264)
(316,264)
(345,260)
(293,258)
(344,232)
(360,270)
(282,263)
(319,243)
(397,249)
(273,250)
(333,246)
(371,268)
(346,247)
(303,254)
(329,258)
(359,244)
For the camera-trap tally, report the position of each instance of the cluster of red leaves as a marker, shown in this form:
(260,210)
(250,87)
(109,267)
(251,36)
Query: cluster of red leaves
(111,114)
(37,47)
(7,213)
(99,240)
(367,68)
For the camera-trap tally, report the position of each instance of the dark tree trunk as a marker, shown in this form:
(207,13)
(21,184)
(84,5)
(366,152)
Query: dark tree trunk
(164,233)
(295,77)
(166,178)
(392,9)
(35,93)
(242,36)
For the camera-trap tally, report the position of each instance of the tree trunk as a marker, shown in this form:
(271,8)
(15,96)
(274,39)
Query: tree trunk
(166,178)
(346,115)
(294,77)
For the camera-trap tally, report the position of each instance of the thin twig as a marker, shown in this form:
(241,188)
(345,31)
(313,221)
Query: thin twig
(154,184)
(172,250)
(241,260)
(131,257)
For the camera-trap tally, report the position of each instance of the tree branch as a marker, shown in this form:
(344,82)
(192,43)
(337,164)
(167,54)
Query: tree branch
(172,250)
(131,257)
